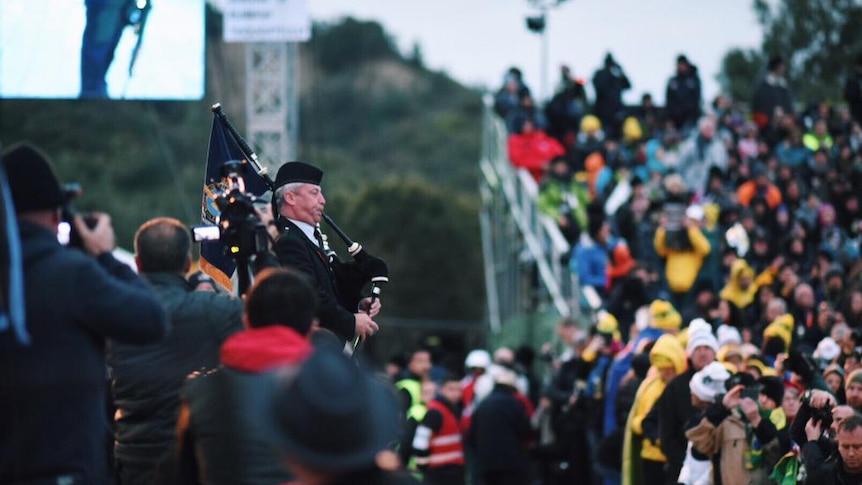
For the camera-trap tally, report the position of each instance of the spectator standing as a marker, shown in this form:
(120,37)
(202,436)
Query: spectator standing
(591,254)
(532,149)
(699,153)
(773,91)
(705,385)
(509,95)
(222,425)
(410,397)
(54,426)
(675,407)
(437,443)
(500,432)
(146,379)
(684,250)
(609,82)
(683,95)
(564,199)
(566,108)
(643,460)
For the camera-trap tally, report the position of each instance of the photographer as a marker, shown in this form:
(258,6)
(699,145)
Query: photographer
(846,467)
(746,426)
(815,427)
(53,398)
(609,82)
(146,379)
(680,242)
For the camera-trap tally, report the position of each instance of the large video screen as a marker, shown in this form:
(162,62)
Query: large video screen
(110,49)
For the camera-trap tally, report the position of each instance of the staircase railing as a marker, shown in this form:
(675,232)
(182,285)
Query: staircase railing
(524,250)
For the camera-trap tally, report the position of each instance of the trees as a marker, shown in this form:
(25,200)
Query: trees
(820,39)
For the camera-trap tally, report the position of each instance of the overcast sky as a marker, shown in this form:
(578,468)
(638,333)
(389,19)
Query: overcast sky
(475,41)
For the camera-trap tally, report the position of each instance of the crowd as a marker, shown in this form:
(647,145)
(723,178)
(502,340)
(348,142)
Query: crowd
(723,242)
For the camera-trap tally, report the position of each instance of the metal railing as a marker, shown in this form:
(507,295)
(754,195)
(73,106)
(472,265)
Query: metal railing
(524,250)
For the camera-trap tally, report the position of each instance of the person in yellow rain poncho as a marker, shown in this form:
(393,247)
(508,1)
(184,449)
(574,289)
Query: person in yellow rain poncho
(742,285)
(642,456)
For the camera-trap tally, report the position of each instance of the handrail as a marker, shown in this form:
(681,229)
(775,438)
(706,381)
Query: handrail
(514,231)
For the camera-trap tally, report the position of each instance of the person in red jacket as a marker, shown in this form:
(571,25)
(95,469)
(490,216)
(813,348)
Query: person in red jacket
(438,443)
(533,149)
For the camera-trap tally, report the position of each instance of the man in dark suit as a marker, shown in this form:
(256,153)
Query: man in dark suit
(299,203)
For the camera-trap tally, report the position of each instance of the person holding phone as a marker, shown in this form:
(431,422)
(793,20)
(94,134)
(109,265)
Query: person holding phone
(744,429)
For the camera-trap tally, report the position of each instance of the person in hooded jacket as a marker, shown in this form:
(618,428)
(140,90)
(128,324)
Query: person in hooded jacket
(221,428)
(683,95)
(643,460)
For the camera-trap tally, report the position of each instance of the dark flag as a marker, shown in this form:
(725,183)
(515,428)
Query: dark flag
(12,314)
(222,148)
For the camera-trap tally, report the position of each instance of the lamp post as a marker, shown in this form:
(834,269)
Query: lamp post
(538,24)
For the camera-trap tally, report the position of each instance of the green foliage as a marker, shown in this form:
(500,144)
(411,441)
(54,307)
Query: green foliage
(819,39)
(738,69)
(368,116)
(135,160)
(429,237)
(350,43)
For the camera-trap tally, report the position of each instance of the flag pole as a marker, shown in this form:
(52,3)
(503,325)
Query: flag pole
(243,145)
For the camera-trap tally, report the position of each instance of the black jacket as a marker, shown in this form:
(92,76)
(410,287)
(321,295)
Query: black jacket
(226,425)
(674,412)
(683,98)
(832,473)
(146,379)
(499,432)
(53,413)
(337,284)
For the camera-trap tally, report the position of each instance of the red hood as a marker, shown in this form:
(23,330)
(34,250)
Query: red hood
(261,349)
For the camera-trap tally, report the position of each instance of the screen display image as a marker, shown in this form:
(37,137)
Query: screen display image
(102,49)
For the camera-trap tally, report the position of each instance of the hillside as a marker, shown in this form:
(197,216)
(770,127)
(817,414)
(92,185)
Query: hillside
(370,118)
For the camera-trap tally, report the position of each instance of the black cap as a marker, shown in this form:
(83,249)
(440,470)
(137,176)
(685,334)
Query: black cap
(293,172)
(31,179)
(773,388)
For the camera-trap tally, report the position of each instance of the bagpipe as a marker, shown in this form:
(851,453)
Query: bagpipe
(352,276)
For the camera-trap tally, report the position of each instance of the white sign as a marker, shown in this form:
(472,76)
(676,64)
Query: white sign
(266,21)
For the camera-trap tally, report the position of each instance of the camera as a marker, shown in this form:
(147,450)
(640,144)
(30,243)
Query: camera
(751,392)
(237,224)
(676,235)
(741,378)
(819,415)
(822,416)
(66,232)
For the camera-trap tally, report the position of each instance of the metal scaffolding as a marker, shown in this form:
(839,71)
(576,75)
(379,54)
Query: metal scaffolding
(272,105)
(524,251)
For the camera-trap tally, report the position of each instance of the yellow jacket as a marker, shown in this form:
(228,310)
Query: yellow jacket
(736,294)
(682,267)
(666,349)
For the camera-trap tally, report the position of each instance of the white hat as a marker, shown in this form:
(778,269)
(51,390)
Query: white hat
(477,359)
(709,381)
(700,334)
(827,349)
(728,335)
